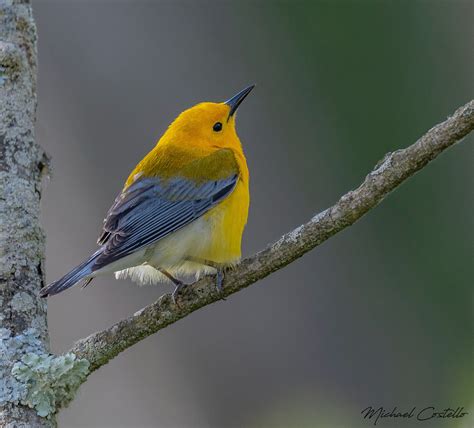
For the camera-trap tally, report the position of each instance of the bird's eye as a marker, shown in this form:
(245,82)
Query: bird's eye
(217,127)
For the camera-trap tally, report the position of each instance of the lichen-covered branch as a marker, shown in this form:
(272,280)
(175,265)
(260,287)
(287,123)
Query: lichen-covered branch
(396,167)
(23,326)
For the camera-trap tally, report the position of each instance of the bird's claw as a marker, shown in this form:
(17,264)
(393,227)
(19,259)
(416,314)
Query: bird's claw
(179,287)
(220,282)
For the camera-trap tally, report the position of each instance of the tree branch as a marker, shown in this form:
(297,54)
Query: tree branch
(396,167)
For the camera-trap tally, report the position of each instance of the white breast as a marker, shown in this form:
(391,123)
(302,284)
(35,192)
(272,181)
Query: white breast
(169,253)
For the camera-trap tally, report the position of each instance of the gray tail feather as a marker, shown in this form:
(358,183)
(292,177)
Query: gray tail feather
(71,278)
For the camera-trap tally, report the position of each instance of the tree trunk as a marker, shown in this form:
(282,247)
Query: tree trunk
(23,327)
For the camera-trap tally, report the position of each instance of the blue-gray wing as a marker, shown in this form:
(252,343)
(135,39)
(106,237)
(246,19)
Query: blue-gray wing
(150,209)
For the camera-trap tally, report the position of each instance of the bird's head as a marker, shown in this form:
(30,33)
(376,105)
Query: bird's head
(208,125)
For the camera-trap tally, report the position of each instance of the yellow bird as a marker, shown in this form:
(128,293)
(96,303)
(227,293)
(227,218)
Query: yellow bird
(183,209)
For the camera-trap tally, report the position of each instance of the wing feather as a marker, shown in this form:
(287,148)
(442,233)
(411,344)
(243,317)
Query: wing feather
(152,208)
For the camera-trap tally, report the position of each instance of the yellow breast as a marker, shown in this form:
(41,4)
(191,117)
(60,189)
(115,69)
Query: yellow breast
(220,229)
(227,222)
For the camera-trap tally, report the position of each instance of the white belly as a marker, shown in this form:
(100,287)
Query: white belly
(169,253)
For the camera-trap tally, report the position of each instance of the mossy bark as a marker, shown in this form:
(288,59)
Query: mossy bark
(23,325)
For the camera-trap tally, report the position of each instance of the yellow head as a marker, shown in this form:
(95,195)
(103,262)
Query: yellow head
(207,125)
(196,133)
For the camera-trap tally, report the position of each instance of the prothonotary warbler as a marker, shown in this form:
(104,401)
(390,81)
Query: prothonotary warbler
(183,208)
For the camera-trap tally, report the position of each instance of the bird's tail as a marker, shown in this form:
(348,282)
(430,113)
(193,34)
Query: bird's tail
(73,277)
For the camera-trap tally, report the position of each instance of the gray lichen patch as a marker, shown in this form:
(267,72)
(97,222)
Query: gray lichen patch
(12,348)
(22,302)
(51,381)
(39,323)
(39,380)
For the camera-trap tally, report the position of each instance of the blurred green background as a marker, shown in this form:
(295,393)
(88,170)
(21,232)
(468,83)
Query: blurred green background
(379,315)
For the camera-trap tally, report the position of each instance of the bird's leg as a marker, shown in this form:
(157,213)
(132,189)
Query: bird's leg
(179,285)
(217,266)
(204,262)
(220,280)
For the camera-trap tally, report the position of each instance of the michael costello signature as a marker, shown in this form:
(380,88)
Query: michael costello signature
(422,414)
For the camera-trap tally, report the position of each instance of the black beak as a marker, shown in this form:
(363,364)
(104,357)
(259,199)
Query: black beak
(237,99)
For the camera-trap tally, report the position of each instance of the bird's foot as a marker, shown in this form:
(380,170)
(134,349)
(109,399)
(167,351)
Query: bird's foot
(220,271)
(179,286)
(220,281)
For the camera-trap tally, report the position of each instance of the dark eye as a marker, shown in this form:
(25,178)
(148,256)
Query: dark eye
(217,127)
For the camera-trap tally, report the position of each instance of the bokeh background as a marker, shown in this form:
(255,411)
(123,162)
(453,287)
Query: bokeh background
(381,314)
